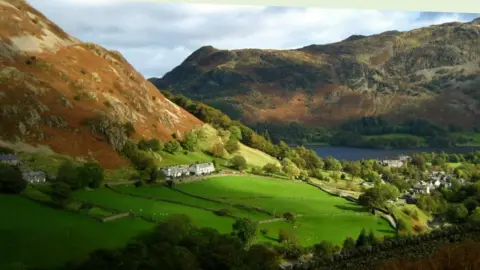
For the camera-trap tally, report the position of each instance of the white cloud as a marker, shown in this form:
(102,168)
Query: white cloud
(155,36)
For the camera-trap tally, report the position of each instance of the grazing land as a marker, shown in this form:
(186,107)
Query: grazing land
(36,235)
(324,217)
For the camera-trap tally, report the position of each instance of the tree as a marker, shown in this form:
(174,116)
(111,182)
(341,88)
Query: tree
(244,229)
(457,212)
(402,225)
(190,142)
(400,183)
(287,236)
(474,218)
(323,250)
(471,204)
(91,174)
(239,162)
(61,193)
(378,195)
(289,217)
(290,168)
(271,168)
(235,133)
(371,239)
(348,244)
(232,146)
(68,173)
(261,257)
(152,144)
(129,129)
(218,150)
(11,180)
(172,147)
(362,239)
(370,176)
(353,168)
(332,164)
(418,161)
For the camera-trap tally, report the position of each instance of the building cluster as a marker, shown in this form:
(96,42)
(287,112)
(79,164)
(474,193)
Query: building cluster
(31,176)
(179,171)
(396,163)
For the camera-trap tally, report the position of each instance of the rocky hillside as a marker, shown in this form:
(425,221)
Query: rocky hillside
(77,98)
(431,73)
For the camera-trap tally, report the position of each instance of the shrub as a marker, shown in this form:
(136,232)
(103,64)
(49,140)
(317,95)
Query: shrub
(264,231)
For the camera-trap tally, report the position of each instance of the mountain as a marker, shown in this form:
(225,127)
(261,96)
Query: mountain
(77,98)
(431,73)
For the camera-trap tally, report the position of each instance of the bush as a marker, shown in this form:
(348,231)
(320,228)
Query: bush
(264,231)
(139,183)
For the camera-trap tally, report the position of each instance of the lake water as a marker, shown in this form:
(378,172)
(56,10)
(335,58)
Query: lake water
(350,153)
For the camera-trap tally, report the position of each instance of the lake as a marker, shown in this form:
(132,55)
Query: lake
(350,153)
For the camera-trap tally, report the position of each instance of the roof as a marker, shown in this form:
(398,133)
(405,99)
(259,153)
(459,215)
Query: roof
(8,157)
(34,173)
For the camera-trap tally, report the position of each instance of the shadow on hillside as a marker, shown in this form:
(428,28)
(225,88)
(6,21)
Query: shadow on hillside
(352,207)
(271,238)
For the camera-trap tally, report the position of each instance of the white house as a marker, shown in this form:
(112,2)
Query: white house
(9,159)
(201,168)
(423,188)
(175,171)
(34,177)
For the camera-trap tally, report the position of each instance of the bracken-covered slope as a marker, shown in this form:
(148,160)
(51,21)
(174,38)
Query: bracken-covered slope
(431,73)
(73,96)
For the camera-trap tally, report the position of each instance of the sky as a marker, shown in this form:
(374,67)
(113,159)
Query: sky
(155,37)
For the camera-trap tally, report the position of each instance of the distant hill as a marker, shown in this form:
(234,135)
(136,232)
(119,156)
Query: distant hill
(76,98)
(431,73)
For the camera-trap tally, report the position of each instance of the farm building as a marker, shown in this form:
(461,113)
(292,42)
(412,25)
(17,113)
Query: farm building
(201,168)
(186,170)
(9,159)
(34,177)
(176,171)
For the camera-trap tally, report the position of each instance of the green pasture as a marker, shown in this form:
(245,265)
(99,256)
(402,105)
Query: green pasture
(36,235)
(325,217)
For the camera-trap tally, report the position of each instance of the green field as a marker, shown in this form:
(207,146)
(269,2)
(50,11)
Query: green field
(325,217)
(36,235)
(167,193)
(154,209)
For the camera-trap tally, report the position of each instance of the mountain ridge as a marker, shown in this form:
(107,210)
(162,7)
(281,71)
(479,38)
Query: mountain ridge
(430,73)
(75,97)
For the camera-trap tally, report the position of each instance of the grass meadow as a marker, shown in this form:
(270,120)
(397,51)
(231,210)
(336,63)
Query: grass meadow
(36,235)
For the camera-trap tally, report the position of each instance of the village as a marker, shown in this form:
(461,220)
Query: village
(436,180)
